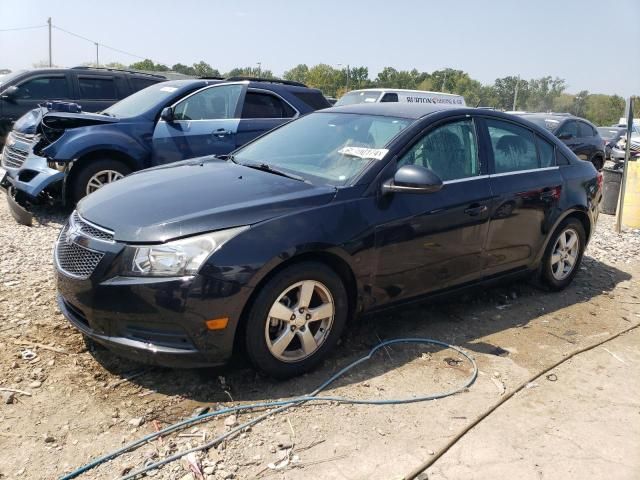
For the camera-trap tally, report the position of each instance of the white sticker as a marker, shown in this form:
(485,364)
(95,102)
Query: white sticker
(362,152)
(369,100)
(168,89)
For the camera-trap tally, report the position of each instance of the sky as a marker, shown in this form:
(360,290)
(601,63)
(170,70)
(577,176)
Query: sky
(583,41)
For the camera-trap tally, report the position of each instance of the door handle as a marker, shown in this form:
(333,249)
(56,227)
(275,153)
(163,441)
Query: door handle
(475,209)
(221,132)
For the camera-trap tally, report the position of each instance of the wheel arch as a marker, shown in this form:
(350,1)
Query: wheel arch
(577,212)
(102,153)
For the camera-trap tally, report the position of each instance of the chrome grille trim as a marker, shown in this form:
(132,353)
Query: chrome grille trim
(91,230)
(75,260)
(13,156)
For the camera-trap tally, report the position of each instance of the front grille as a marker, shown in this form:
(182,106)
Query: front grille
(91,230)
(16,149)
(73,259)
(24,137)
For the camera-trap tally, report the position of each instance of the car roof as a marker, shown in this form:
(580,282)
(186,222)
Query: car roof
(411,111)
(422,92)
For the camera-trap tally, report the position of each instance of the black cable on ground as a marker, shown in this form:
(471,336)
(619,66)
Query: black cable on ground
(425,465)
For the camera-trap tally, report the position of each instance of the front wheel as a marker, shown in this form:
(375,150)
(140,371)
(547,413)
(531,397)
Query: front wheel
(564,254)
(296,319)
(96,174)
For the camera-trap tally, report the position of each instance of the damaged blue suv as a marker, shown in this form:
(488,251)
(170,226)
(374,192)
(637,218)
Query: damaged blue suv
(67,156)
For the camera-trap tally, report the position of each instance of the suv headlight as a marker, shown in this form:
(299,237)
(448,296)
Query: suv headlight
(180,257)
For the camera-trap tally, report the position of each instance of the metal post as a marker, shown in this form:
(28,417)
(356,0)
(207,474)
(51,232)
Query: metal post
(444,80)
(515,95)
(347,77)
(50,61)
(625,165)
(97,57)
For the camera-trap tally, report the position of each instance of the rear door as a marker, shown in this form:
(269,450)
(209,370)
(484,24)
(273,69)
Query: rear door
(261,111)
(432,241)
(35,90)
(205,123)
(526,185)
(97,92)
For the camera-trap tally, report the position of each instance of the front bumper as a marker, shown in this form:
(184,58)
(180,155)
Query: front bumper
(618,154)
(34,176)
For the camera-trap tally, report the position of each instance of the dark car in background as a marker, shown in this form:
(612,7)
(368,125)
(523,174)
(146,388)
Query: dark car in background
(73,155)
(580,135)
(343,211)
(94,89)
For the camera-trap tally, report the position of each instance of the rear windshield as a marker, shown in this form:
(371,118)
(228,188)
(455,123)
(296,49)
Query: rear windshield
(314,99)
(550,124)
(352,98)
(608,133)
(142,101)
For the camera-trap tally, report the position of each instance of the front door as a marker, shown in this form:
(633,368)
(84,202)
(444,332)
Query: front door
(205,123)
(429,242)
(526,184)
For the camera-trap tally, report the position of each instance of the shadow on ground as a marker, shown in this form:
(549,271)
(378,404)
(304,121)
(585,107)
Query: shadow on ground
(461,321)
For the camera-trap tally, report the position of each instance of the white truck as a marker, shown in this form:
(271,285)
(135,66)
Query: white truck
(374,95)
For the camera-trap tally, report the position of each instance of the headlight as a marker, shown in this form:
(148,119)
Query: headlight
(180,257)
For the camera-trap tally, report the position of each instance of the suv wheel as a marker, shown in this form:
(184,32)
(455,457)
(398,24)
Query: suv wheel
(564,254)
(597,162)
(95,175)
(296,319)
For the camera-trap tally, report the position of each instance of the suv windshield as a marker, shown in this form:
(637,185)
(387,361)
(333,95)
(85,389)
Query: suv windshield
(325,148)
(141,101)
(358,97)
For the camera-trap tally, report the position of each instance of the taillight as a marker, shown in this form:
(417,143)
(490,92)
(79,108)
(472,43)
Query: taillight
(600,180)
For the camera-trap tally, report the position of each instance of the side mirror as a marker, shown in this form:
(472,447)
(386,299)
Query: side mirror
(565,136)
(167,114)
(413,179)
(10,93)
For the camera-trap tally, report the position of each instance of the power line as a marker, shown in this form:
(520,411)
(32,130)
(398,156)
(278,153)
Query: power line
(21,28)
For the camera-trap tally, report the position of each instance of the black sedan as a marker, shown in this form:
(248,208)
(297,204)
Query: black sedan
(340,212)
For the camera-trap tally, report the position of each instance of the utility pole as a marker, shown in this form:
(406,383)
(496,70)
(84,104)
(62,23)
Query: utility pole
(444,80)
(347,77)
(515,94)
(50,62)
(259,68)
(97,57)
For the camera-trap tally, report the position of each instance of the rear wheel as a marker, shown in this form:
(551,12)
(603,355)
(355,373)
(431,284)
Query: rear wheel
(597,162)
(564,254)
(296,319)
(95,174)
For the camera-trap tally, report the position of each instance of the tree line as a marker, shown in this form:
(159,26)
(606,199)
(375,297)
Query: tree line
(507,93)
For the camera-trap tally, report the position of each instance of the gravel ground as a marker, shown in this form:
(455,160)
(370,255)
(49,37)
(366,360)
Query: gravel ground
(83,402)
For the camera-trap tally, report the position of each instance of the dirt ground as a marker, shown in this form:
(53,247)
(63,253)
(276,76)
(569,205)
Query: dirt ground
(582,421)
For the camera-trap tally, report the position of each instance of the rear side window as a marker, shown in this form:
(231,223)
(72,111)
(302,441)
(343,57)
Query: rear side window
(586,130)
(450,151)
(44,88)
(513,147)
(140,83)
(389,97)
(263,105)
(314,99)
(546,153)
(96,88)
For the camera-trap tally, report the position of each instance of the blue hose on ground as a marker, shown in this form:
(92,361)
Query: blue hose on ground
(282,405)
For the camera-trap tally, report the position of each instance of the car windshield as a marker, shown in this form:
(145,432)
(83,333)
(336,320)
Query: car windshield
(352,98)
(607,132)
(141,101)
(550,124)
(324,147)
(8,77)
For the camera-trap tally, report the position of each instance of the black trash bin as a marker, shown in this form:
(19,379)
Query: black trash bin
(611,180)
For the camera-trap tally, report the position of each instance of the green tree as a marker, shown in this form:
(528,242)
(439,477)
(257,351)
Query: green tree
(184,69)
(326,78)
(505,90)
(543,91)
(203,69)
(297,74)
(250,72)
(148,66)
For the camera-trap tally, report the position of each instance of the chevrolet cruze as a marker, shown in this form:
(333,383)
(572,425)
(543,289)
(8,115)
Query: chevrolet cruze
(274,248)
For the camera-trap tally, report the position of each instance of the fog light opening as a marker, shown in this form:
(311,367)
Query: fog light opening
(217,323)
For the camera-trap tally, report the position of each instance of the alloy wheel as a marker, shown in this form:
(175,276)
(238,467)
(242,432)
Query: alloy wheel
(102,178)
(299,321)
(565,254)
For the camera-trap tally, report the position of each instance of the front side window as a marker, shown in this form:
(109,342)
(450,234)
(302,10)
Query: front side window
(586,130)
(325,148)
(44,88)
(264,105)
(212,103)
(513,147)
(94,88)
(568,130)
(450,151)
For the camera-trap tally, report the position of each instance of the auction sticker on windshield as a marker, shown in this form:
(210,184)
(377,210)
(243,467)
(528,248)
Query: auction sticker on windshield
(362,152)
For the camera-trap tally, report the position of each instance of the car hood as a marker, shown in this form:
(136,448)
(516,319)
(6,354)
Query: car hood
(195,196)
(64,120)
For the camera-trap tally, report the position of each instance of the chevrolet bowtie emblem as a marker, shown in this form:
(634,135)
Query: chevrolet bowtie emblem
(72,233)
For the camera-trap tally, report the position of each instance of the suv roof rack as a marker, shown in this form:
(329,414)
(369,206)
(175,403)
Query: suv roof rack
(261,79)
(108,69)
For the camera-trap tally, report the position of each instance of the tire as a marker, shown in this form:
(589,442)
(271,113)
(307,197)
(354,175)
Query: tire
(92,170)
(281,296)
(551,274)
(597,162)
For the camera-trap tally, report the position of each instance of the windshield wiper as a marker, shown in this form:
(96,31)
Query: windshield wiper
(268,168)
